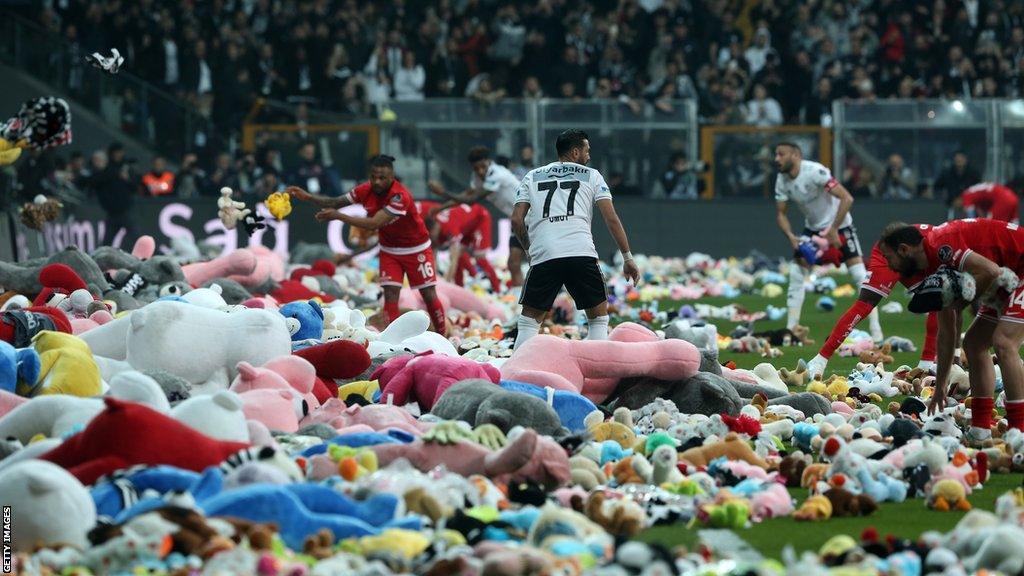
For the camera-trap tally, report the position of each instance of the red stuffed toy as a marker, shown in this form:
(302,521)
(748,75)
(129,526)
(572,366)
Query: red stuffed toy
(336,359)
(742,425)
(126,434)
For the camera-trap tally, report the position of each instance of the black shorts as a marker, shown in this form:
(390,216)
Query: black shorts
(513,242)
(580,275)
(849,243)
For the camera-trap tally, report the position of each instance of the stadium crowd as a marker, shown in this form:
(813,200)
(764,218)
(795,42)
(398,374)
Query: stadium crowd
(761,64)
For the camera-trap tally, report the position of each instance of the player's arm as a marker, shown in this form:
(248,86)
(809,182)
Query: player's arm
(454,253)
(519,224)
(379,220)
(986,274)
(317,199)
(945,340)
(468,196)
(618,232)
(845,202)
(783,222)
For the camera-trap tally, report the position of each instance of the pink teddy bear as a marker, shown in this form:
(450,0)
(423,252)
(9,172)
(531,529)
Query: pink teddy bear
(594,367)
(425,377)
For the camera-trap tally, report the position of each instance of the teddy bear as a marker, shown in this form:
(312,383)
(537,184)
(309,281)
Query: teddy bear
(815,508)
(619,517)
(54,508)
(39,211)
(846,503)
(305,321)
(231,212)
(877,355)
(478,402)
(732,447)
(948,494)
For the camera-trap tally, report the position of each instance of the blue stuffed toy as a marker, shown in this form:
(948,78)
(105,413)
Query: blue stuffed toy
(17,365)
(571,408)
(305,321)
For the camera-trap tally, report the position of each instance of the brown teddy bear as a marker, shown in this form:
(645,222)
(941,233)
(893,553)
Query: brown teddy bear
(846,503)
(792,468)
(883,355)
(617,517)
(732,447)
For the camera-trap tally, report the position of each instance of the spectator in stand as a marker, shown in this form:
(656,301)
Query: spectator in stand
(617,184)
(409,79)
(310,174)
(680,178)
(898,182)
(525,163)
(159,181)
(956,178)
(191,181)
(115,190)
(818,110)
(762,110)
(223,174)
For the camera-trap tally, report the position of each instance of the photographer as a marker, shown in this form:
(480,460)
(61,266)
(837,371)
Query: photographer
(898,183)
(192,178)
(115,190)
(680,178)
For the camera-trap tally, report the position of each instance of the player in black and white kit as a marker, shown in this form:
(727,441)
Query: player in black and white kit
(826,207)
(552,219)
(498,185)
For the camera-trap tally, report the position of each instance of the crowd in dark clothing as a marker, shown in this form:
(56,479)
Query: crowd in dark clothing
(346,55)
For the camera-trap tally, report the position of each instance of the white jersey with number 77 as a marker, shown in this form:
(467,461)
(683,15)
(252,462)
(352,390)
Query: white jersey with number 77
(561,196)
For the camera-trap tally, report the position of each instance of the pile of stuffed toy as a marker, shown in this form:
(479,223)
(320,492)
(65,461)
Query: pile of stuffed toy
(179,414)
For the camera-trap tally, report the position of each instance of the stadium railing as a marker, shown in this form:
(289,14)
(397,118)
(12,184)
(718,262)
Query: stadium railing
(741,158)
(927,133)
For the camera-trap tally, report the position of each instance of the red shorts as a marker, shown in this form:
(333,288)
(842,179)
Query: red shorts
(1014,311)
(475,234)
(420,268)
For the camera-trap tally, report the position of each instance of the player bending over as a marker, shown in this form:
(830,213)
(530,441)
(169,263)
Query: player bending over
(826,207)
(404,242)
(877,285)
(465,231)
(497,184)
(993,253)
(552,219)
(990,200)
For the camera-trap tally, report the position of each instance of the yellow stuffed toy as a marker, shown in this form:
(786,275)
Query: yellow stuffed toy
(600,430)
(9,152)
(363,388)
(279,204)
(66,366)
(407,544)
(353,463)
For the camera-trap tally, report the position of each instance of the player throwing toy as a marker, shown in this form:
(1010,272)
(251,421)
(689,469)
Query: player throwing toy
(405,250)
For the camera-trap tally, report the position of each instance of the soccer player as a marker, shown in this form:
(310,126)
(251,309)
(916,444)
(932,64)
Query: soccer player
(981,248)
(465,230)
(877,285)
(990,200)
(495,183)
(404,242)
(826,207)
(552,220)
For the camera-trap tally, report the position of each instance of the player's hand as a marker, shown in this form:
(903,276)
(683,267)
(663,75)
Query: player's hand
(938,400)
(298,193)
(435,187)
(794,242)
(631,271)
(328,214)
(832,236)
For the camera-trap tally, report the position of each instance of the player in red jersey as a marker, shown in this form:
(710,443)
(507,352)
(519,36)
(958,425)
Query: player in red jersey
(404,242)
(877,285)
(465,230)
(991,200)
(993,253)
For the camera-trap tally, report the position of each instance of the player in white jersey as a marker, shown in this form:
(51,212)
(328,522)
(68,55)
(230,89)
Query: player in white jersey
(826,207)
(552,218)
(498,185)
